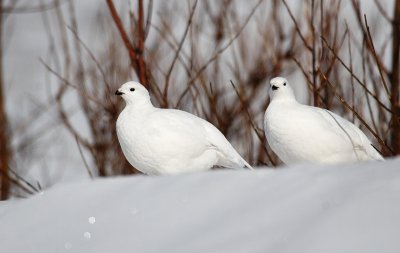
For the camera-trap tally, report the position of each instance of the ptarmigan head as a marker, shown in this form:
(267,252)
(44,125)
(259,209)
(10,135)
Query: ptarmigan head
(133,93)
(280,88)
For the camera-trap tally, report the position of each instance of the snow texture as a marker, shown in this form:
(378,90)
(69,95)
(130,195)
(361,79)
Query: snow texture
(146,133)
(306,208)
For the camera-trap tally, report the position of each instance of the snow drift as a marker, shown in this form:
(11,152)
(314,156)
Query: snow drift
(351,208)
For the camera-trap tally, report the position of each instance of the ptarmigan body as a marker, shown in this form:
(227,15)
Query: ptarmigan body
(301,133)
(168,141)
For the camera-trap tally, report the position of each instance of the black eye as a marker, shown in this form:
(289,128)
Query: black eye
(132,89)
(284,84)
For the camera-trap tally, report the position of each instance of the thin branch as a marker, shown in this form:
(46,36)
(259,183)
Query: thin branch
(378,62)
(297,26)
(382,11)
(314,71)
(148,20)
(355,77)
(346,105)
(123,34)
(219,52)
(83,158)
(33,9)
(91,55)
(33,188)
(189,22)
(140,46)
(259,136)
(68,83)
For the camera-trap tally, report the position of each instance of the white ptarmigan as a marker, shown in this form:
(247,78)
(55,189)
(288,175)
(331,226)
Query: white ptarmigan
(301,133)
(167,141)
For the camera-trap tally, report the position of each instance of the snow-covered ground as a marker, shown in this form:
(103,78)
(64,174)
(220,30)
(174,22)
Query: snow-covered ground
(350,208)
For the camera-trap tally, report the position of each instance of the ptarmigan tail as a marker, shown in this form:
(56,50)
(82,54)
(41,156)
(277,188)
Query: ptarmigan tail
(235,162)
(246,164)
(228,156)
(374,153)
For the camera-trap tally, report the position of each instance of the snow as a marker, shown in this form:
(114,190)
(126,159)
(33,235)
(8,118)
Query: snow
(305,208)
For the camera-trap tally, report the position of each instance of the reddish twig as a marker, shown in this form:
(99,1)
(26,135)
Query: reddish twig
(140,46)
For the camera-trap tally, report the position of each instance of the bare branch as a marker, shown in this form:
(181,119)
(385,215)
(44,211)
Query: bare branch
(297,26)
(378,61)
(189,22)
(256,130)
(343,101)
(355,77)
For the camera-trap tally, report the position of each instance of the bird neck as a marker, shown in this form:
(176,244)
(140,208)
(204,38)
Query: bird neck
(141,105)
(287,98)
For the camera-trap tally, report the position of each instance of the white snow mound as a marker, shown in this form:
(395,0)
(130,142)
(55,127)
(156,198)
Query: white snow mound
(351,208)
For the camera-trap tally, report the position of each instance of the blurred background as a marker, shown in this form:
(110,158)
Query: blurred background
(62,60)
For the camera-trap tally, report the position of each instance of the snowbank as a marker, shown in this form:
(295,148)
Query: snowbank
(352,208)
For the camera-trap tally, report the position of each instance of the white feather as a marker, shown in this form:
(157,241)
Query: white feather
(302,133)
(167,141)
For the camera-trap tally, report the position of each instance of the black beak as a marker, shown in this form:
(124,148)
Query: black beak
(119,93)
(274,87)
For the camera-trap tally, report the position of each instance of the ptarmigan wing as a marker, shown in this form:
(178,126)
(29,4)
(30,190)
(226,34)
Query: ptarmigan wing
(360,142)
(174,132)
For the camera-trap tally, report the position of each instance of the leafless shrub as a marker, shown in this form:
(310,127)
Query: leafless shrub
(214,59)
